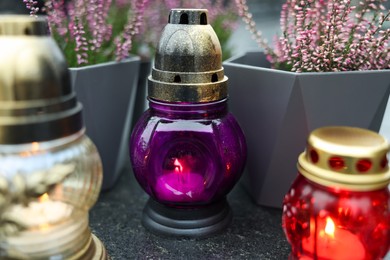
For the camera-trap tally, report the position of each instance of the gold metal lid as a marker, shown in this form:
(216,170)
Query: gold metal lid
(188,61)
(36,99)
(346,157)
(22,25)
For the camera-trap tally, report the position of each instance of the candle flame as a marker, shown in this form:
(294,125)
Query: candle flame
(34,146)
(44,227)
(329,227)
(178,166)
(44,197)
(34,149)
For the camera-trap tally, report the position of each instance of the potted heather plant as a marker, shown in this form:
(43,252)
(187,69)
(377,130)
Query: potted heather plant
(96,38)
(330,66)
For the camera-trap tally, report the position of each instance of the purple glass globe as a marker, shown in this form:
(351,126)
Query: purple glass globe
(187,155)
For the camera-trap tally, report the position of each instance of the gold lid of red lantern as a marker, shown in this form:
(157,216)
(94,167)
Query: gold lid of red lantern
(346,157)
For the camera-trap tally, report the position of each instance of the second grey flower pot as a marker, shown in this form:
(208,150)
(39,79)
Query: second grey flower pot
(278,109)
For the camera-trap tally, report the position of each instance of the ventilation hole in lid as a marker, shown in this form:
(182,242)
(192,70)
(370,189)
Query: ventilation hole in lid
(177,79)
(214,77)
(314,156)
(27,31)
(384,162)
(169,18)
(40,111)
(203,19)
(184,18)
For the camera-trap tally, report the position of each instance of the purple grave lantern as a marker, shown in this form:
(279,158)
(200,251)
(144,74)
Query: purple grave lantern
(187,150)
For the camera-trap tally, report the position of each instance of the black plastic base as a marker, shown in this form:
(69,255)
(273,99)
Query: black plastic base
(199,222)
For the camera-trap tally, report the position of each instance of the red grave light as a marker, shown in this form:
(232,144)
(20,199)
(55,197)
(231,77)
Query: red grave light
(338,206)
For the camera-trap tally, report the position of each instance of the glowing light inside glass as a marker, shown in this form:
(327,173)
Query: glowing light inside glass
(325,223)
(183,178)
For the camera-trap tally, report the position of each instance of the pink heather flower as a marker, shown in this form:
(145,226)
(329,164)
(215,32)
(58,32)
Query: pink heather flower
(124,42)
(81,43)
(121,3)
(97,12)
(93,31)
(327,35)
(84,28)
(170,4)
(31,5)
(243,11)
(57,16)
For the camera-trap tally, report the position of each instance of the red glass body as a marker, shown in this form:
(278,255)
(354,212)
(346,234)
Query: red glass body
(326,223)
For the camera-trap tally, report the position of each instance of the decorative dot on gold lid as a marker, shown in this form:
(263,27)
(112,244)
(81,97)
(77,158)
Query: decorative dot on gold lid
(346,157)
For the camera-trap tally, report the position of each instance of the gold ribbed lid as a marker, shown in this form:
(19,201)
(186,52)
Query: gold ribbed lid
(22,25)
(36,98)
(346,157)
(188,61)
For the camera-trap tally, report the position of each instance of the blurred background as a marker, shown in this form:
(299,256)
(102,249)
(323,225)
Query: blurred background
(266,15)
(265,12)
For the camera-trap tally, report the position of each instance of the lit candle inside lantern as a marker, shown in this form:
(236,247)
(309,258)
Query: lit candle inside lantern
(338,206)
(50,171)
(180,184)
(327,241)
(40,214)
(43,197)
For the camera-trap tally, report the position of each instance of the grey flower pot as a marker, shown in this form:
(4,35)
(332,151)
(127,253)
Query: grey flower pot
(107,92)
(278,109)
(141,103)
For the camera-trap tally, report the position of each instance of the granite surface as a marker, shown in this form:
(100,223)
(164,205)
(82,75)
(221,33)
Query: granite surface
(255,232)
